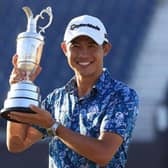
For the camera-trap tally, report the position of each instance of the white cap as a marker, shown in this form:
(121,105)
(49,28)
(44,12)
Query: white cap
(88,26)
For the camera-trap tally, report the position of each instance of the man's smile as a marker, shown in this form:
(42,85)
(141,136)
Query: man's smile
(84,63)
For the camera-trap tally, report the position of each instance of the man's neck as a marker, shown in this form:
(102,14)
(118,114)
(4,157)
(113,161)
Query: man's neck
(85,84)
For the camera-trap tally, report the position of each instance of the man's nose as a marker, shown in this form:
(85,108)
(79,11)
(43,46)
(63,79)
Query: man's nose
(84,52)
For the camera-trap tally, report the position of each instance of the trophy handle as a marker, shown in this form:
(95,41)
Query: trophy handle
(48,10)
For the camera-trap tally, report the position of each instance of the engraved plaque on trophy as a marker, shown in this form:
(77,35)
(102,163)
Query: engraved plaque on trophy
(29,50)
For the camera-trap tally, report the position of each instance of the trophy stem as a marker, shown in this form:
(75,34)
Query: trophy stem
(28,73)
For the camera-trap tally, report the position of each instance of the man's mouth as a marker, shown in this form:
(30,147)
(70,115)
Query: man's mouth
(84,63)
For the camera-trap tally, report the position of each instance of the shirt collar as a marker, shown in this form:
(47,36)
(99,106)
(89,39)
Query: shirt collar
(104,82)
(100,86)
(71,85)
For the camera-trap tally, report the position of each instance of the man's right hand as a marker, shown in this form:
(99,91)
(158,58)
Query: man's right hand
(19,75)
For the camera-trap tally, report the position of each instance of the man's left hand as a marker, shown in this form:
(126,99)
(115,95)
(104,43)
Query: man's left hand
(41,117)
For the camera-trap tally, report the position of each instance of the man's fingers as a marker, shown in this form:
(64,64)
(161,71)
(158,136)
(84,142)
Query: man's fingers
(17,75)
(36,109)
(36,73)
(24,117)
(21,74)
(14,60)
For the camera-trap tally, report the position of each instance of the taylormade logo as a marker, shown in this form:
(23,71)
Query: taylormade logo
(75,26)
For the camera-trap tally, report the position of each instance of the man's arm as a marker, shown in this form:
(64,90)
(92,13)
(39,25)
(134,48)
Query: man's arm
(99,150)
(21,136)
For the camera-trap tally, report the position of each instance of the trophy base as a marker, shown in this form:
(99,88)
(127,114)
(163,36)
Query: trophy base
(4,112)
(20,96)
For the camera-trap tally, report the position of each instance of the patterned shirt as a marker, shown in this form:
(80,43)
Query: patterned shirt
(111,106)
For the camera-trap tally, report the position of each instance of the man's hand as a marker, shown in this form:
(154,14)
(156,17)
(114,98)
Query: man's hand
(19,75)
(41,117)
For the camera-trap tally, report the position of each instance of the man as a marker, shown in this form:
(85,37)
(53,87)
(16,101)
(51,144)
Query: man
(91,118)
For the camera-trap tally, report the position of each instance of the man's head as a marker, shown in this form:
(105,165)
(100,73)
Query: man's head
(85,45)
(86,25)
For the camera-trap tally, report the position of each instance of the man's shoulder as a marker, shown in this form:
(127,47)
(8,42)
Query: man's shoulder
(56,91)
(124,90)
(114,86)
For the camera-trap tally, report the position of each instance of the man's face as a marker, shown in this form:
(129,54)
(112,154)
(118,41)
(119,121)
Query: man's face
(85,56)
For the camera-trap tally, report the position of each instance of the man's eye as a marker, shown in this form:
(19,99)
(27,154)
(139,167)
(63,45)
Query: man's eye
(92,45)
(74,45)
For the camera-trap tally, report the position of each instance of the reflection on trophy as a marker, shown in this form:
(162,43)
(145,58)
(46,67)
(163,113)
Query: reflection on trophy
(29,51)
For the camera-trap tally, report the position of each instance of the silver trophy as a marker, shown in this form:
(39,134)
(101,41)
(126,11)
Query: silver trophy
(29,50)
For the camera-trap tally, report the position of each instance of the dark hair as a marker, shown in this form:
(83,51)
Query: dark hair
(105,42)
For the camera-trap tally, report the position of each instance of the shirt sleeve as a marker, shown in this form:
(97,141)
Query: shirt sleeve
(120,117)
(42,130)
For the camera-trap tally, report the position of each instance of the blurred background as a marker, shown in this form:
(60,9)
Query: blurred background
(137,29)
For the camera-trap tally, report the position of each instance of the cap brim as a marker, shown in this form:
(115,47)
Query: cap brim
(89,34)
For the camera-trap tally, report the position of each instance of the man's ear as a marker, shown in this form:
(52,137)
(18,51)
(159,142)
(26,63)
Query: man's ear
(107,47)
(64,48)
